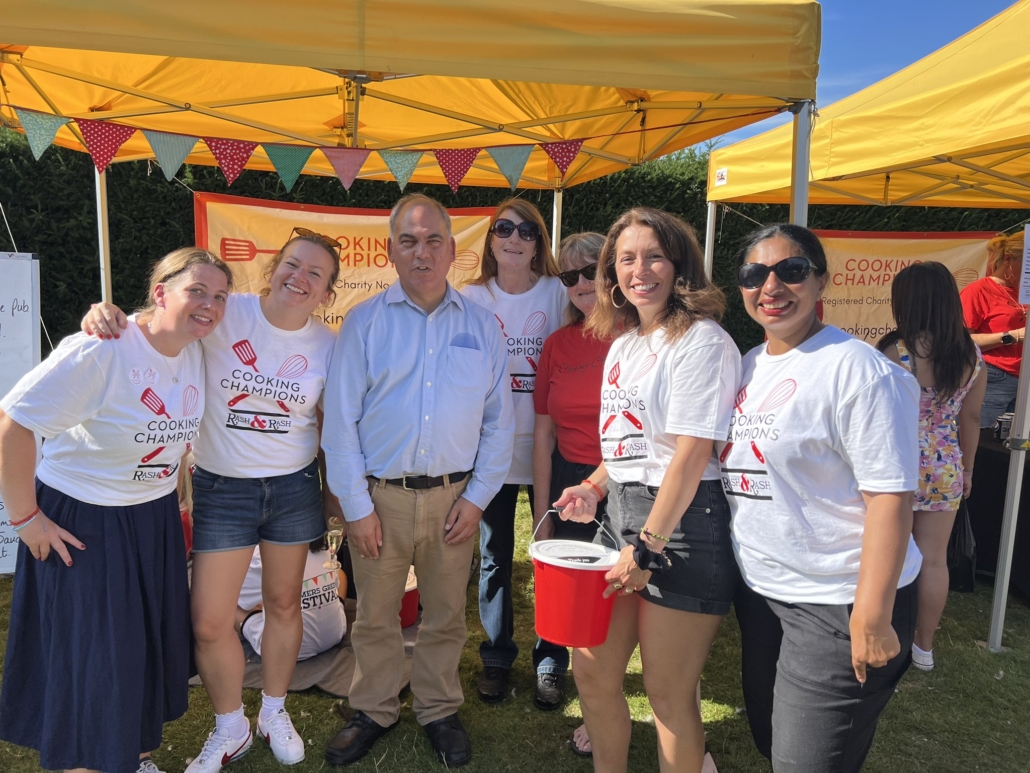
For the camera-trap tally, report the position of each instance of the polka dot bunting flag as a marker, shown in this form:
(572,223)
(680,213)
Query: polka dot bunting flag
(231,155)
(562,153)
(103,139)
(40,129)
(347,162)
(456,164)
(401,163)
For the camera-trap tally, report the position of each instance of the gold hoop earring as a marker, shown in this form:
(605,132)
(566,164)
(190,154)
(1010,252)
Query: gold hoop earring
(612,294)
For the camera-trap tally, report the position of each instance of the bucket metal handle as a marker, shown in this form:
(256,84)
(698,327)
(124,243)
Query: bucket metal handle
(552,510)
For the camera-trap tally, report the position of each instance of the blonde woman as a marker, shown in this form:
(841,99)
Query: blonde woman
(98,644)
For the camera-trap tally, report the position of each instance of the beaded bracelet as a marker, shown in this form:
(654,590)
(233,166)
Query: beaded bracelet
(25,521)
(595,487)
(652,535)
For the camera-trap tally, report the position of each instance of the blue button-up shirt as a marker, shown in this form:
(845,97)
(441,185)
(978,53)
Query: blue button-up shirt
(411,393)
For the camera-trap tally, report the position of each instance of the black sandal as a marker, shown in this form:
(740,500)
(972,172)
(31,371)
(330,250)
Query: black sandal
(578,750)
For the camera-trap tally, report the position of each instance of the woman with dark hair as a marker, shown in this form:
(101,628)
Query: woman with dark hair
(519,284)
(98,645)
(997,320)
(667,396)
(931,343)
(257,483)
(819,465)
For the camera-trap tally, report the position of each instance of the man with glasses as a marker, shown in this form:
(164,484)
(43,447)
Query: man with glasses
(418,439)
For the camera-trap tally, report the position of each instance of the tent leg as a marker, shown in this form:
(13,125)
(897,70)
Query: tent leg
(713,215)
(800,162)
(103,236)
(1020,429)
(556,222)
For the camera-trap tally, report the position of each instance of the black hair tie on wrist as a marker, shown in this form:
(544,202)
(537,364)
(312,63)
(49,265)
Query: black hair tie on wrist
(646,559)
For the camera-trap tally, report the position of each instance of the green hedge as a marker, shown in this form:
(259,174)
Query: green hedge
(51,207)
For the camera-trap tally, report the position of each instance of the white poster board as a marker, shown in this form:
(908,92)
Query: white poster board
(19,353)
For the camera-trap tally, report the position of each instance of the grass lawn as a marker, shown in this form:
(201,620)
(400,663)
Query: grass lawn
(964,716)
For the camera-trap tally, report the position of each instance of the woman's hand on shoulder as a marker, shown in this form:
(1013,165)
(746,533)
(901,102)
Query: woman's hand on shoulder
(104,320)
(43,535)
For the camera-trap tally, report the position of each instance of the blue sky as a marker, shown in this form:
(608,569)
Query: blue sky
(864,41)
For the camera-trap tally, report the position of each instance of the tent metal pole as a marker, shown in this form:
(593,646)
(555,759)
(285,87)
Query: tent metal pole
(103,236)
(556,222)
(800,161)
(713,216)
(1017,459)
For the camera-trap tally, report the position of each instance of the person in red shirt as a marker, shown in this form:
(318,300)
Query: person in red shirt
(997,322)
(566,444)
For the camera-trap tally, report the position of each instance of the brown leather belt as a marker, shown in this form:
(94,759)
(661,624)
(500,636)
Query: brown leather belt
(424,481)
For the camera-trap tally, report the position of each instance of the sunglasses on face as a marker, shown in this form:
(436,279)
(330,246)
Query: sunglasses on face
(528,232)
(790,271)
(571,278)
(313,236)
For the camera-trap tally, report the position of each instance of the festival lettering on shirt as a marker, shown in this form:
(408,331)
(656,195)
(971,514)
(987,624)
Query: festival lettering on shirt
(319,591)
(745,478)
(524,349)
(624,411)
(282,389)
(164,431)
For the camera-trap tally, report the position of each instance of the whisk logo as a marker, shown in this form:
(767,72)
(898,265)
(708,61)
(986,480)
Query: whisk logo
(283,389)
(755,427)
(524,350)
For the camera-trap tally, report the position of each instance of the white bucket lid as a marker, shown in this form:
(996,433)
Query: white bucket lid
(412,582)
(574,555)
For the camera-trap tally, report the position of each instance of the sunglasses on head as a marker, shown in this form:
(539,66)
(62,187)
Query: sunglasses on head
(571,278)
(314,236)
(528,231)
(790,271)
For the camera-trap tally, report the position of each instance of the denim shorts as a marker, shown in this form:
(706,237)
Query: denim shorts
(703,575)
(232,513)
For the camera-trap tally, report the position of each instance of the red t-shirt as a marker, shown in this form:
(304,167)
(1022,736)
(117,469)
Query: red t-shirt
(989,307)
(568,389)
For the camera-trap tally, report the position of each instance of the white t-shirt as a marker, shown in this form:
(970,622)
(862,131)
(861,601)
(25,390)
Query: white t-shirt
(118,416)
(526,320)
(653,392)
(321,610)
(812,429)
(263,387)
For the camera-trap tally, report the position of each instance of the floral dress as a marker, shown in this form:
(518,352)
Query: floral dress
(940,455)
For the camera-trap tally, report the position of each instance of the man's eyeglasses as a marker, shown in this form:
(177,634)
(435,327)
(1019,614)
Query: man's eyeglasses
(313,236)
(528,231)
(571,278)
(791,271)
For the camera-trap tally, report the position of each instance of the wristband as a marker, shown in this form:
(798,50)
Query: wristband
(595,487)
(652,535)
(22,524)
(26,520)
(646,559)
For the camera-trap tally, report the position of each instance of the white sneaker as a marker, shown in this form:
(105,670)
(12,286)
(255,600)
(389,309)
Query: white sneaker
(922,659)
(147,766)
(220,749)
(278,732)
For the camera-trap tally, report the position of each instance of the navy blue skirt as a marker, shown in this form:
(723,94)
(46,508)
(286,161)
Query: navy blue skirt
(98,653)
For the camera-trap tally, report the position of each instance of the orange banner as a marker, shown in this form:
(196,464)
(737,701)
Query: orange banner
(247,233)
(863,264)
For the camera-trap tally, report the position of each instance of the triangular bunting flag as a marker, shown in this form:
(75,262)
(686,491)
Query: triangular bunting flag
(103,139)
(347,162)
(40,129)
(511,160)
(231,155)
(563,153)
(456,164)
(401,163)
(170,150)
(288,161)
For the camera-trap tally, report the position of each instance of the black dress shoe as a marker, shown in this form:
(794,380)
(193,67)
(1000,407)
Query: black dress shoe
(355,740)
(450,741)
(492,684)
(550,691)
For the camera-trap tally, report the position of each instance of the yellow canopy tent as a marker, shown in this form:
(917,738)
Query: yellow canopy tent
(951,130)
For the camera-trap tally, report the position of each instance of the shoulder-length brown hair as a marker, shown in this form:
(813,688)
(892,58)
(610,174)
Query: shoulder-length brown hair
(693,295)
(543,262)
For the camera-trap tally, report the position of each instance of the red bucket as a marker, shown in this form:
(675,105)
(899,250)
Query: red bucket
(409,604)
(570,607)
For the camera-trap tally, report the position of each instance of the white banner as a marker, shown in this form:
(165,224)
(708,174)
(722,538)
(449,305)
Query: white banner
(863,264)
(247,233)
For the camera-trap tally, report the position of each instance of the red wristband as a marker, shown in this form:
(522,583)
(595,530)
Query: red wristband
(595,487)
(27,518)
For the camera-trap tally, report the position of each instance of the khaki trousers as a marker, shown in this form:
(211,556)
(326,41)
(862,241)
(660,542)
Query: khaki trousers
(412,524)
